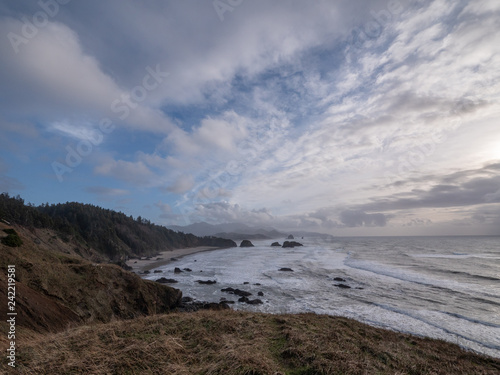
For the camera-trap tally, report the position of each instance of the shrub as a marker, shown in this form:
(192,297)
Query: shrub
(13,239)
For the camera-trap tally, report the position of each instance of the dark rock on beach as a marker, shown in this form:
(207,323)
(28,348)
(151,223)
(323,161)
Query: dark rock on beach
(339,279)
(255,302)
(342,286)
(249,301)
(177,270)
(246,243)
(187,269)
(206,282)
(260,294)
(238,292)
(158,271)
(243,293)
(291,244)
(164,280)
(285,269)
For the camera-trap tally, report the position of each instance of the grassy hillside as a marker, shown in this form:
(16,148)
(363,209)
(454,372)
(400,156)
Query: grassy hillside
(57,288)
(229,342)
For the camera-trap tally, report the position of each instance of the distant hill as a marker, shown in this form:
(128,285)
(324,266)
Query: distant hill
(241,236)
(110,234)
(206,229)
(239,231)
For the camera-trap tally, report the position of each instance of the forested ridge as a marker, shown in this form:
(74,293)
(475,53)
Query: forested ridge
(111,233)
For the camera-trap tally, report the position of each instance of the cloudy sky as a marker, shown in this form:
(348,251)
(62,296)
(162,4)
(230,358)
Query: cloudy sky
(343,117)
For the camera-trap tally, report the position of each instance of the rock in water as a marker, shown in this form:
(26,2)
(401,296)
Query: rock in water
(285,269)
(291,244)
(177,270)
(207,282)
(339,279)
(343,286)
(246,243)
(276,244)
(164,280)
(255,302)
(290,237)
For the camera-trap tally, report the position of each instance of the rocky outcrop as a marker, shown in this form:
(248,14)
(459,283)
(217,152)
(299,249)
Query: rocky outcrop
(188,304)
(291,244)
(250,301)
(290,237)
(218,242)
(164,280)
(276,244)
(286,269)
(237,292)
(246,243)
(206,282)
(342,286)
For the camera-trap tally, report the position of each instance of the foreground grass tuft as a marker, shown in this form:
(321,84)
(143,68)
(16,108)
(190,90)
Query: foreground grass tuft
(231,342)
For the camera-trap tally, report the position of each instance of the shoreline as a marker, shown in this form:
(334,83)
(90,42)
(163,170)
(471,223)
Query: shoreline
(165,257)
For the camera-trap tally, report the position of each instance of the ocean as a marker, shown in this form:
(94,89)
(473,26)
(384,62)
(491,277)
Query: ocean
(440,287)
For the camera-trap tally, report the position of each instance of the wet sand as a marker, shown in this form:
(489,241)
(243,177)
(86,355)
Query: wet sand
(165,257)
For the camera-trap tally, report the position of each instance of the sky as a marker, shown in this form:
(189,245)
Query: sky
(341,117)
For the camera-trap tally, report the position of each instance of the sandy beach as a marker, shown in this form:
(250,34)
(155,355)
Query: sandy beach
(165,257)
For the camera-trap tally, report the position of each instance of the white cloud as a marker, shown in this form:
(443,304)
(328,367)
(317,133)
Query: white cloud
(54,79)
(136,173)
(181,185)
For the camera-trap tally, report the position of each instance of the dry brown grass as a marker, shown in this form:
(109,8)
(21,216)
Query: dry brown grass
(230,342)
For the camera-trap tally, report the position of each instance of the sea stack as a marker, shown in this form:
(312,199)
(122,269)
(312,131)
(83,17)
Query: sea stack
(246,243)
(291,244)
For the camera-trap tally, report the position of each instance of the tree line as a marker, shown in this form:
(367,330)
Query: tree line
(111,233)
